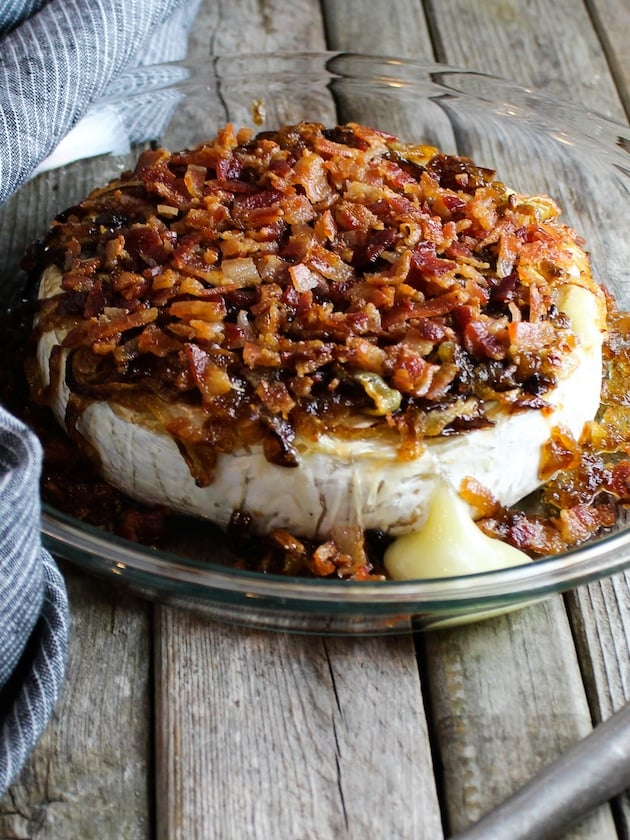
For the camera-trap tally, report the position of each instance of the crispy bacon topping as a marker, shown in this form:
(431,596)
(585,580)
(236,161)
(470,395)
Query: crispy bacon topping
(265,280)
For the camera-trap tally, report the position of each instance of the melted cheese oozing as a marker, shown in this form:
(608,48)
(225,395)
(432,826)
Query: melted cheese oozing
(448,544)
(341,482)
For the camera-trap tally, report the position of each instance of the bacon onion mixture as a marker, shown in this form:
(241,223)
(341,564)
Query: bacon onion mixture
(292,282)
(317,280)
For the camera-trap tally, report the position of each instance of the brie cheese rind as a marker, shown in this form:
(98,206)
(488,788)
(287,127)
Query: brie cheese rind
(306,273)
(342,482)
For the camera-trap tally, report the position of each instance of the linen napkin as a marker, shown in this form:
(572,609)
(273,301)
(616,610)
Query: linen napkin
(62,59)
(59,60)
(33,604)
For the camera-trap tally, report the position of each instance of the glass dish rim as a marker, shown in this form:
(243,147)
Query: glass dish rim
(65,535)
(607,555)
(531,92)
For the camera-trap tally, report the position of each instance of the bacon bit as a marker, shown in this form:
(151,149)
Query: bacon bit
(579,523)
(365,355)
(418,312)
(482,343)
(208,310)
(412,374)
(130,285)
(479,497)
(96,330)
(80,277)
(228,168)
(531,337)
(95,302)
(619,483)
(191,261)
(560,452)
(324,560)
(114,252)
(155,341)
(324,227)
(257,209)
(534,535)
(424,258)
(192,286)
(205,332)
(352,215)
(166,279)
(275,396)
(256,356)
(297,210)
(211,380)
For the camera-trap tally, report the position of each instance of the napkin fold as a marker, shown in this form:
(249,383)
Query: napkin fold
(59,61)
(34,616)
(62,57)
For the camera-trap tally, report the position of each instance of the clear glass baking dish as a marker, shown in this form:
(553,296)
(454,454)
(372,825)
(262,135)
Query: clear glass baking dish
(536,145)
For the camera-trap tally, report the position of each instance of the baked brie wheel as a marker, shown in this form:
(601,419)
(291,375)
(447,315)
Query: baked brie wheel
(317,328)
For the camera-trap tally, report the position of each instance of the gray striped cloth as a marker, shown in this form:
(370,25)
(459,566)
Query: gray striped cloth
(58,59)
(61,60)
(33,605)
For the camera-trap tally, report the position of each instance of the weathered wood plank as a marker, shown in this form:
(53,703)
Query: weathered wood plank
(611,19)
(506,693)
(255,26)
(600,615)
(601,628)
(398,29)
(90,774)
(552,46)
(288,736)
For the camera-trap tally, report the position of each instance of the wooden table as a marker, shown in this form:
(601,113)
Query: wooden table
(174,727)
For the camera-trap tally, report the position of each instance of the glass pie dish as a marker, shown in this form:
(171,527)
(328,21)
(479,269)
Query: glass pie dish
(537,145)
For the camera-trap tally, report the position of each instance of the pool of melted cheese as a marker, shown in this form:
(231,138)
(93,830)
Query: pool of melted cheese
(342,482)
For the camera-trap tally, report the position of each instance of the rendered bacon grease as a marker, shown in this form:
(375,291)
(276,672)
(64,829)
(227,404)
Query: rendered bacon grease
(319,332)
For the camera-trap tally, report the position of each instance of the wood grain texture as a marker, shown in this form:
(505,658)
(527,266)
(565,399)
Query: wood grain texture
(600,614)
(506,693)
(90,775)
(397,28)
(254,26)
(288,736)
(552,46)
(611,19)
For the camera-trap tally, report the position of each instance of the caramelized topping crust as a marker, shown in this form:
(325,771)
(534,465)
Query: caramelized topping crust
(311,281)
